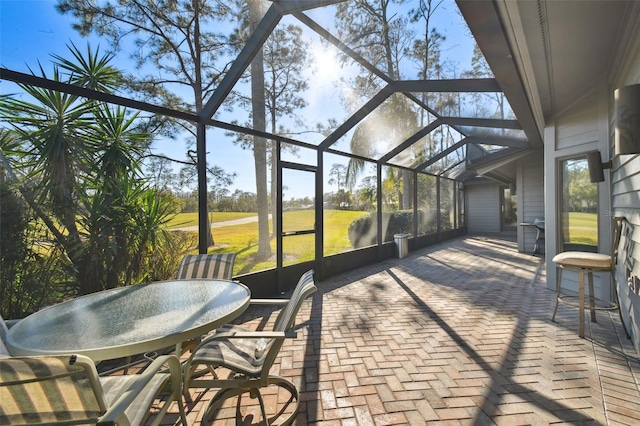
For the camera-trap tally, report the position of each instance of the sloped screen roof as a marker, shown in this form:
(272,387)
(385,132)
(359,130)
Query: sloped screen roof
(397,83)
(370,89)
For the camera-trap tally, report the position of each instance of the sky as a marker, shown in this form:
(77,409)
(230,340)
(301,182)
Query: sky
(32,30)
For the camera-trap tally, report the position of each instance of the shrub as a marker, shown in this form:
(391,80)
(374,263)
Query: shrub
(29,274)
(363,231)
(162,264)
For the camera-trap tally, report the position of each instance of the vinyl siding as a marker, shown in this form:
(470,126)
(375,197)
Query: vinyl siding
(625,194)
(483,211)
(580,128)
(531,200)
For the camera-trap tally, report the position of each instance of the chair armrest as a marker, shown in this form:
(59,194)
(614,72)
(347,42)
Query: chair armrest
(263,335)
(246,335)
(117,409)
(280,302)
(147,358)
(10,323)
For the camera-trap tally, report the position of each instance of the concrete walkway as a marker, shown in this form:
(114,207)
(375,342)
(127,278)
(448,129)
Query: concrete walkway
(455,334)
(241,221)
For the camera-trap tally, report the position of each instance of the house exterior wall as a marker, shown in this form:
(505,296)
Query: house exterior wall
(625,197)
(483,214)
(586,125)
(530,198)
(578,129)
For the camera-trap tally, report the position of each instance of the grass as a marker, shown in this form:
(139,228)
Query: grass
(583,228)
(243,238)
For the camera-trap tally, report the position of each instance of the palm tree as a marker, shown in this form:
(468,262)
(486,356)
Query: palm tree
(80,164)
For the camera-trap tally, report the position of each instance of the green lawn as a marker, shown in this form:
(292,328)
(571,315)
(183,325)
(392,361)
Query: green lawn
(583,228)
(243,239)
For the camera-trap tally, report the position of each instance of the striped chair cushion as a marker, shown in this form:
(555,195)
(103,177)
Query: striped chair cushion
(138,411)
(207,266)
(45,391)
(241,355)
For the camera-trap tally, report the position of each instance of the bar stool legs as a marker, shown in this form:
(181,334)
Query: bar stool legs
(581,298)
(558,281)
(585,263)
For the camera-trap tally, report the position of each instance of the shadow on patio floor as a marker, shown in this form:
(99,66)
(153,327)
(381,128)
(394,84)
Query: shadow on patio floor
(457,333)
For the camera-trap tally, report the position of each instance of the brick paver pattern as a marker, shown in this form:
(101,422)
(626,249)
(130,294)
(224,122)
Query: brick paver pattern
(457,333)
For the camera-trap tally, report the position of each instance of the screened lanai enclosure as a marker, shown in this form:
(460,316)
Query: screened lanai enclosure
(335,125)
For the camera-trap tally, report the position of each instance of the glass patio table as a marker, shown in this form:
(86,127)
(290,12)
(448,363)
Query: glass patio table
(130,320)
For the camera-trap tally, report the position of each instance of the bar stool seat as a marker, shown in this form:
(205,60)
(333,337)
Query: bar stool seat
(583,262)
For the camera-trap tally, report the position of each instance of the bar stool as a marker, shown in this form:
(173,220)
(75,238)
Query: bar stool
(584,262)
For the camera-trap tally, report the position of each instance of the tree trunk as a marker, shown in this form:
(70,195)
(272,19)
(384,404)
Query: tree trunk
(198,95)
(274,186)
(260,144)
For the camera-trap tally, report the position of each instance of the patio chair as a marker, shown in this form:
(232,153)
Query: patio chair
(4,329)
(248,356)
(67,390)
(207,266)
(219,265)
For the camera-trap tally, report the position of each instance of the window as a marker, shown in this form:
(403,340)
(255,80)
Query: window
(579,207)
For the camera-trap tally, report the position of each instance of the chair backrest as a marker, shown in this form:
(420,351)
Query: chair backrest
(627,271)
(207,266)
(285,321)
(4,351)
(50,390)
(287,316)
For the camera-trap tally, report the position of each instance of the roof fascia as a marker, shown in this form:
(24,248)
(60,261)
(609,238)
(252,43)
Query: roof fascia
(499,141)
(482,122)
(489,29)
(448,85)
(492,161)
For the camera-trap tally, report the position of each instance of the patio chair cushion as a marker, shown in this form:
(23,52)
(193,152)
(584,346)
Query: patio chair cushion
(244,355)
(67,390)
(137,411)
(67,398)
(207,266)
(579,259)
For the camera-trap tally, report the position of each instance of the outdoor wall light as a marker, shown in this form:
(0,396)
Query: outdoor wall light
(596,166)
(627,133)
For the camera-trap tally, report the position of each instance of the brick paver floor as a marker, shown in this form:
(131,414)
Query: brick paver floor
(457,333)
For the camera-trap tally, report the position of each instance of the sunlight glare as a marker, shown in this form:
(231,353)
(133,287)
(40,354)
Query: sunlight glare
(327,67)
